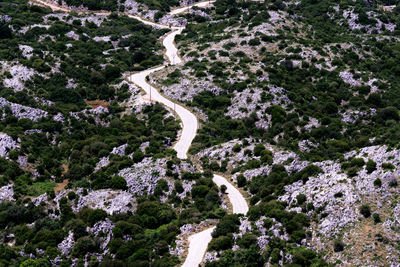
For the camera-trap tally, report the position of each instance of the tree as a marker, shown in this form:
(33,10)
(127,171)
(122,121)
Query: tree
(66,210)
(5,32)
(82,246)
(378,182)
(374,99)
(371,166)
(365,210)
(178,187)
(96,216)
(112,72)
(241,180)
(393,183)
(78,227)
(137,156)
(6,252)
(117,182)
(389,113)
(220,243)
(35,263)
(71,195)
(338,245)
(301,198)
(223,189)
(228,224)
(258,149)
(377,218)
(236,148)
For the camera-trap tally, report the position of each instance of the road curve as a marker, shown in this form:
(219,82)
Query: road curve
(239,204)
(198,242)
(189,120)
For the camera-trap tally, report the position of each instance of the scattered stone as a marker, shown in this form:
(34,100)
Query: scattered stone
(210,256)
(347,77)
(26,51)
(186,90)
(7,193)
(72,35)
(306,145)
(111,201)
(105,227)
(6,144)
(23,161)
(351,116)
(59,117)
(67,244)
(25,29)
(22,112)
(120,151)
(20,74)
(313,123)
(5,18)
(42,198)
(142,177)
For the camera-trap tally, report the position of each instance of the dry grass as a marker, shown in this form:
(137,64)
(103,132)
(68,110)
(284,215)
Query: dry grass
(61,186)
(97,103)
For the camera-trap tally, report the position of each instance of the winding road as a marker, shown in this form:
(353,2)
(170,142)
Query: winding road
(198,242)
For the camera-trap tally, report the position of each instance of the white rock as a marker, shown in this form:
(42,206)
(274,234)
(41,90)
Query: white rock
(26,50)
(109,200)
(6,144)
(23,112)
(67,244)
(142,177)
(7,193)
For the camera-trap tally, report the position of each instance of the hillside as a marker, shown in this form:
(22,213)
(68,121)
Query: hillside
(222,133)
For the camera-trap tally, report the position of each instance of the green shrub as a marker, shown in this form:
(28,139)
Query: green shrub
(338,246)
(301,198)
(371,166)
(388,166)
(220,243)
(377,182)
(393,183)
(338,194)
(365,210)
(82,246)
(95,216)
(241,180)
(236,148)
(71,195)
(376,217)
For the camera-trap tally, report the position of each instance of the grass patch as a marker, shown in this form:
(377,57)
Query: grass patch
(39,188)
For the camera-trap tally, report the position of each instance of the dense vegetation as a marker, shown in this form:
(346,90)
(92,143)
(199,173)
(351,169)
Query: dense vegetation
(63,153)
(114,5)
(92,65)
(314,92)
(324,65)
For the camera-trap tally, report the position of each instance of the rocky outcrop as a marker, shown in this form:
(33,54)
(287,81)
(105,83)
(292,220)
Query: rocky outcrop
(112,201)
(22,112)
(106,228)
(142,177)
(67,244)
(19,74)
(186,89)
(7,143)
(7,193)
(26,51)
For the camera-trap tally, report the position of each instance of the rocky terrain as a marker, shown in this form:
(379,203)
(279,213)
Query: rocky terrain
(296,103)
